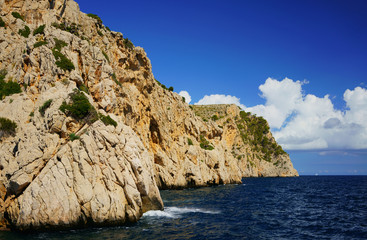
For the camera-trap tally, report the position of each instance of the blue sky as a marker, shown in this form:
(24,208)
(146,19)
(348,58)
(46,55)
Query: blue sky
(289,61)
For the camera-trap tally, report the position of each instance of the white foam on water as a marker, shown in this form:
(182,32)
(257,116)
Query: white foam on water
(157,213)
(176,212)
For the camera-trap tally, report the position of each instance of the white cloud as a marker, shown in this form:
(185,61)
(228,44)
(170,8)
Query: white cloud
(310,122)
(220,99)
(186,95)
(282,97)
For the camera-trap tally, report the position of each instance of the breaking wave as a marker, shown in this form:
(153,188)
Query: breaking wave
(176,212)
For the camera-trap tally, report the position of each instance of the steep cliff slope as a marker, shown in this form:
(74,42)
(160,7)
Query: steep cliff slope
(88,135)
(250,141)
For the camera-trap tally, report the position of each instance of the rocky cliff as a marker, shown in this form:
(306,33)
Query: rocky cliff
(88,135)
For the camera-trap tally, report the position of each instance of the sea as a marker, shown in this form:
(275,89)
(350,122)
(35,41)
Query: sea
(306,207)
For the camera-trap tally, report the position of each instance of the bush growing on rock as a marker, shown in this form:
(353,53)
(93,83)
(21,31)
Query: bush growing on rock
(73,136)
(128,44)
(59,44)
(94,16)
(214,117)
(83,88)
(7,127)
(68,27)
(39,30)
(61,60)
(46,105)
(80,108)
(106,56)
(107,120)
(7,88)
(205,144)
(17,15)
(2,23)
(189,141)
(39,44)
(25,32)
(115,79)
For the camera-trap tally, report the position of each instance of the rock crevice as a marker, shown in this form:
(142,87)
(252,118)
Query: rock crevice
(106,167)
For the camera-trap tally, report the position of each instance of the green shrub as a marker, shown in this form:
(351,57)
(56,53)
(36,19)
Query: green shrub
(189,141)
(183,99)
(214,117)
(162,85)
(100,33)
(59,44)
(39,30)
(84,88)
(73,136)
(2,23)
(39,44)
(31,114)
(170,89)
(106,56)
(107,120)
(25,32)
(128,44)
(62,61)
(115,79)
(80,108)
(68,27)
(205,144)
(17,15)
(7,126)
(94,16)
(8,88)
(3,73)
(45,105)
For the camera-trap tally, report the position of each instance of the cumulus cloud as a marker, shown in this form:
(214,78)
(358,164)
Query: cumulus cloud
(281,97)
(309,122)
(186,95)
(220,99)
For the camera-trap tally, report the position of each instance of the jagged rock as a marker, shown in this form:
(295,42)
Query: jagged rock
(103,178)
(111,174)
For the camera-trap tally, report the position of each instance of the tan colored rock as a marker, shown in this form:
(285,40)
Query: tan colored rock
(111,174)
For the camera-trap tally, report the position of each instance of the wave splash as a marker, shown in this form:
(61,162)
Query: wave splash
(176,212)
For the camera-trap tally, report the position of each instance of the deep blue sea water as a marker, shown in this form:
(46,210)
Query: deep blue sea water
(322,207)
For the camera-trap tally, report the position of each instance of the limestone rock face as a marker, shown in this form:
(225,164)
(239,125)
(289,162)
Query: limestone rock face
(249,140)
(107,174)
(103,178)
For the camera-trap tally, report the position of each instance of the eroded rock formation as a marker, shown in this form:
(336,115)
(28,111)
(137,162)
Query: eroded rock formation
(64,169)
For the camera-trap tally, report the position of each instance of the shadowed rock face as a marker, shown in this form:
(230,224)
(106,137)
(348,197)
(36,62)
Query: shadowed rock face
(108,174)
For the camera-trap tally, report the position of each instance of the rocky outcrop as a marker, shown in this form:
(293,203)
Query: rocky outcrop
(102,162)
(249,140)
(105,177)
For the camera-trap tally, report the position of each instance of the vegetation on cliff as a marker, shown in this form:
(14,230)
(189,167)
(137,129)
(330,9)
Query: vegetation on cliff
(2,23)
(80,108)
(152,139)
(255,130)
(25,32)
(61,60)
(7,126)
(7,88)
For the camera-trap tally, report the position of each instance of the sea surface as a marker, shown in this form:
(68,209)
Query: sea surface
(307,207)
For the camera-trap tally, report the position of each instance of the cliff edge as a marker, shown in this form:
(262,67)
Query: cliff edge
(88,135)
